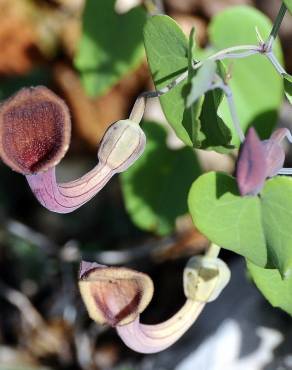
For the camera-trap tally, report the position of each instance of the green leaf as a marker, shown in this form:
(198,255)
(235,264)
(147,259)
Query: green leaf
(215,135)
(253,78)
(155,188)
(168,56)
(231,221)
(288,3)
(276,202)
(201,82)
(257,228)
(111,45)
(270,283)
(288,87)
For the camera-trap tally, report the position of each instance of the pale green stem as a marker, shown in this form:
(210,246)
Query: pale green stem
(213,251)
(272,58)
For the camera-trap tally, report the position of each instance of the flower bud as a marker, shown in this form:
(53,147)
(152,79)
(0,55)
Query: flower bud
(251,169)
(275,153)
(122,144)
(35,130)
(114,295)
(205,278)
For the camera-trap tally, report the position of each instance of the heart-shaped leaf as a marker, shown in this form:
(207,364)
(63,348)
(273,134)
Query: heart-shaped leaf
(270,283)
(111,45)
(254,227)
(276,203)
(231,221)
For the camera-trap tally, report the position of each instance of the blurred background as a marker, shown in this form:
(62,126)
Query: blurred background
(43,323)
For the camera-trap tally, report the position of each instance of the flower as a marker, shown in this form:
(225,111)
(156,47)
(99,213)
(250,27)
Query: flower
(118,295)
(35,129)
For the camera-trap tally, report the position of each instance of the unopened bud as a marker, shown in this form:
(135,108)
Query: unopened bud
(251,170)
(205,278)
(122,144)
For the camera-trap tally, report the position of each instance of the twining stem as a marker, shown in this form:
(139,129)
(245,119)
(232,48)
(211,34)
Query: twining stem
(274,32)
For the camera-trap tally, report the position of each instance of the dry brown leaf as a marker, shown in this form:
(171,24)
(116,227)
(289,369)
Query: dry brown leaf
(17,37)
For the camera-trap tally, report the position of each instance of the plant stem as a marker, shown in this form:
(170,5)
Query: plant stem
(247,50)
(231,52)
(213,251)
(274,32)
(271,57)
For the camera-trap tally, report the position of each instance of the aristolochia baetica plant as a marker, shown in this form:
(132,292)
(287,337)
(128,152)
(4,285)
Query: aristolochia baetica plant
(35,129)
(117,296)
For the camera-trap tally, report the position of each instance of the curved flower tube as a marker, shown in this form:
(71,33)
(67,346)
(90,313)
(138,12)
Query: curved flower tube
(204,279)
(35,130)
(122,144)
(155,338)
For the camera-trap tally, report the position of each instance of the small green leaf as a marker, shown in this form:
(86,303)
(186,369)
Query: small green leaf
(155,188)
(253,78)
(231,221)
(288,3)
(111,45)
(288,87)
(276,202)
(201,82)
(270,283)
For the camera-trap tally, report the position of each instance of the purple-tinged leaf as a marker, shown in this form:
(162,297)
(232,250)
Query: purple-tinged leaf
(252,165)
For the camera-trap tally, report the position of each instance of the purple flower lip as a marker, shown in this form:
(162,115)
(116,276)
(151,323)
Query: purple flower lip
(35,130)
(114,295)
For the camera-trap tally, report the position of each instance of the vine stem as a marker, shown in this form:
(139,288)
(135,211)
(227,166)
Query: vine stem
(271,57)
(247,50)
(274,32)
